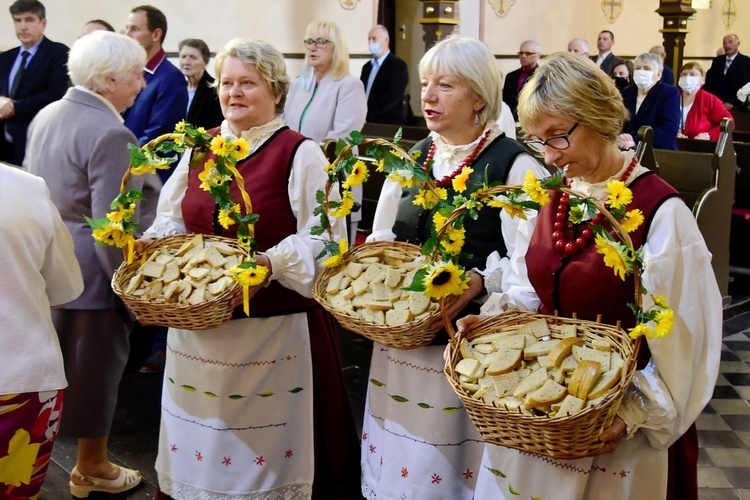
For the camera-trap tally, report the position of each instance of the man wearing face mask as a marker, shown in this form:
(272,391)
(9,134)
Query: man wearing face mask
(701,112)
(385,78)
(728,73)
(651,103)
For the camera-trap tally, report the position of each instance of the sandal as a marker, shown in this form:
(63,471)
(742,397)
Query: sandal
(126,480)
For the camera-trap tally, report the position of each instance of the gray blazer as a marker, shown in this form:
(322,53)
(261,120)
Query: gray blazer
(80,147)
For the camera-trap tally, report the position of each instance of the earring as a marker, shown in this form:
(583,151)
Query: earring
(476,121)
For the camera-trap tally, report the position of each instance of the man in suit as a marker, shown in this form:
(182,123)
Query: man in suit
(31,76)
(163,102)
(606,59)
(528,56)
(385,78)
(728,73)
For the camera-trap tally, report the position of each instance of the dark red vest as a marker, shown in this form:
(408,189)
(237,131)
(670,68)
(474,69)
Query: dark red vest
(582,284)
(266,173)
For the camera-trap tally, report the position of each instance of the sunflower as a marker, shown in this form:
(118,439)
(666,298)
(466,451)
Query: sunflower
(218,145)
(404,177)
(347,203)
(225,216)
(619,194)
(358,176)
(425,199)
(639,330)
(632,220)
(506,204)
(122,213)
(615,256)
(329,168)
(533,188)
(343,246)
(238,148)
(333,261)
(248,275)
(454,240)
(661,301)
(180,126)
(439,220)
(459,181)
(443,279)
(146,168)
(664,321)
(112,234)
(204,176)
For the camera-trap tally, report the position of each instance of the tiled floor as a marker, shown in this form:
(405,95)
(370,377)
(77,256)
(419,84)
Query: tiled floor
(723,428)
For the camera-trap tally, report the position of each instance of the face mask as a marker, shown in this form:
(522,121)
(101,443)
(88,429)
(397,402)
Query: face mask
(690,83)
(375,49)
(621,82)
(643,78)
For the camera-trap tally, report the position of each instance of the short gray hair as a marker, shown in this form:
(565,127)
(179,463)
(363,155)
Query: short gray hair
(268,62)
(101,54)
(471,60)
(652,60)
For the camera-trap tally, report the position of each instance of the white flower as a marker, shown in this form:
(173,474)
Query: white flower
(743,93)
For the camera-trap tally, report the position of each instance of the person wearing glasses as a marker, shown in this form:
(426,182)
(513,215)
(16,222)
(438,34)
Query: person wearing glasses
(418,451)
(528,55)
(573,114)
(651,103)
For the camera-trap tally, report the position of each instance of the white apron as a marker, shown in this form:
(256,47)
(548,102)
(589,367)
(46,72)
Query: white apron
(418,442)
(236,417)
(635,470)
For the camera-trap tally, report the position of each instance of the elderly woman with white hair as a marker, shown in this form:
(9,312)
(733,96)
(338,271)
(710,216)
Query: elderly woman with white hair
(269,416)
(651,103)
(79,145)
(418,441)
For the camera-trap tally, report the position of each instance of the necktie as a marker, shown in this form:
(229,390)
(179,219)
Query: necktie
(726,68)
(373,72)
(19,74)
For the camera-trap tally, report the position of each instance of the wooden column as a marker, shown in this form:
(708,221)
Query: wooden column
(439,19)
(675,14)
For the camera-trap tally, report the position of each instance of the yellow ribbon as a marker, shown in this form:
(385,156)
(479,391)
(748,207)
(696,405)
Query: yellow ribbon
(246,299)
(131,242)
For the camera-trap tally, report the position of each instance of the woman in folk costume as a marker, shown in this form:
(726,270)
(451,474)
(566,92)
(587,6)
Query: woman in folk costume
(427,447)
(265,413)
(573,116)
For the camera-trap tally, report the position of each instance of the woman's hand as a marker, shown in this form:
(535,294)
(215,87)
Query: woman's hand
(476,285)
(703,136)
(140,245)
(625,141)
(680,135)
(464,323)
(612,436)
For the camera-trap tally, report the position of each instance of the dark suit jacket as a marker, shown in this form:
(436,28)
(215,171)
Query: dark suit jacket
(667,76)
(386,101)
(205,110)
(609,62)
(660,110)
(723,86)
(510,94)
(45,80)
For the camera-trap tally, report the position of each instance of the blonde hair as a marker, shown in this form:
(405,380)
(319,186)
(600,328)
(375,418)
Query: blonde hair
(574,88)
(331,32)
(471,60)
(268,62)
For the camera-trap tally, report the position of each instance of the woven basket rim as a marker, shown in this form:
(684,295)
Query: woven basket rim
(370,330)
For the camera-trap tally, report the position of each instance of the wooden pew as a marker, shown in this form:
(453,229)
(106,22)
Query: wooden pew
(706,183)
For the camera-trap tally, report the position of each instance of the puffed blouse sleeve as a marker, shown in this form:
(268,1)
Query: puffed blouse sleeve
(668,395)
(293,259)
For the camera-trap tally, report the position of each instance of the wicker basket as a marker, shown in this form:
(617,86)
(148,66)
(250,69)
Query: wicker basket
(407,336)
(203,316)
(562,437)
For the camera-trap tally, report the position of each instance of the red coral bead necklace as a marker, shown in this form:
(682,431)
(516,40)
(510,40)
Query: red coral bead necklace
(571,246)
(448,179)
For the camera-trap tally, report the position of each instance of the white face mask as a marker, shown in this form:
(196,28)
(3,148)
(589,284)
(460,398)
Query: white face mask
(690,83)
(375,49)
(643,78)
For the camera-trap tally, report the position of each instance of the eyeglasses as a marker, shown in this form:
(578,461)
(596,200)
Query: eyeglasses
(320,43)
(526,54)
(559,142)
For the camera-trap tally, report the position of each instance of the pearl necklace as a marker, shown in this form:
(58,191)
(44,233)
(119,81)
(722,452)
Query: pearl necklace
(570,247)
(448,179)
